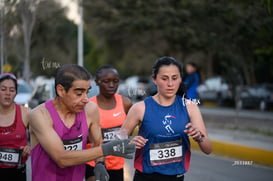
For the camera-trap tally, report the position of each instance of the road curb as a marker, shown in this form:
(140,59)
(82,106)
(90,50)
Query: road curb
(241,152)
(209,104)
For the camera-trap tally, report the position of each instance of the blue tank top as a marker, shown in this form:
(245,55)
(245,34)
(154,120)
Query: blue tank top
(168,148)
(192,81)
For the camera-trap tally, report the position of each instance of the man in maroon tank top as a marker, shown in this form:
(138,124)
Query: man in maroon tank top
(59,129)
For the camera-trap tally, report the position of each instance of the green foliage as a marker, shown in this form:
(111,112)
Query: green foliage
(54,39)
(230,38)
(228,33)
(268,5)
(53,42)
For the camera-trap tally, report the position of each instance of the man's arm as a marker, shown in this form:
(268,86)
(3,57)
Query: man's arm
(95,135)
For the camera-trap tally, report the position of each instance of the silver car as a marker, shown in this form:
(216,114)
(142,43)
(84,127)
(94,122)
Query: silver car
(215,89)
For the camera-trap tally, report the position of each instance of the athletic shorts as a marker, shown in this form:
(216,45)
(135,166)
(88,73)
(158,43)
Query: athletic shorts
(115,175)
(13,173)
(139,176)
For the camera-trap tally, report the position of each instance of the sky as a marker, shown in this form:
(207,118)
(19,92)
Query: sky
(72,6)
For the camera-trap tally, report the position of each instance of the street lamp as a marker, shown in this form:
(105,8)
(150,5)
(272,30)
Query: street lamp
(80,34)
(2,5)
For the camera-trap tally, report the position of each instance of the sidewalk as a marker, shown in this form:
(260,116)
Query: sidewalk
(236,145)
(240,135)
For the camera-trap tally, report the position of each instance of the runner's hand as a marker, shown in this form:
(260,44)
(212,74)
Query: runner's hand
(121,148)
(100,172)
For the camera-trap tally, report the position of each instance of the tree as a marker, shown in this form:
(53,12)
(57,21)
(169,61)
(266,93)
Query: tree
(228,38)
(53,39)
(228,34)
(27,11)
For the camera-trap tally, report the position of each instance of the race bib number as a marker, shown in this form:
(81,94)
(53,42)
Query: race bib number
(10,156)
(110,133)
(165,153)
(73,144)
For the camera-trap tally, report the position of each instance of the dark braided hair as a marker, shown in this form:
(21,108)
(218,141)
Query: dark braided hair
(101,68)
(166,60)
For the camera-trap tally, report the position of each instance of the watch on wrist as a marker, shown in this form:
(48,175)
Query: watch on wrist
(101,162)
(201,138)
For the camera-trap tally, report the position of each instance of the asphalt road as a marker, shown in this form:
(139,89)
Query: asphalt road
(214,168)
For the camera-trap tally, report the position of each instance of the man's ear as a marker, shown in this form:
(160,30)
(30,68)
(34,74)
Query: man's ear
(60,90)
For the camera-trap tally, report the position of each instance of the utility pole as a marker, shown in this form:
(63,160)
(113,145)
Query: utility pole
(2,5)
(80,33)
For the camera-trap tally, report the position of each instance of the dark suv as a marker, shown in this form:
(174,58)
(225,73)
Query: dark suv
(258,96)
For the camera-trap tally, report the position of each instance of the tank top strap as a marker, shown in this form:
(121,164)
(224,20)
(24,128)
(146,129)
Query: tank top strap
(118,98)
(50,107)
(119,101)
(94,99)
(54,114)
(18,115)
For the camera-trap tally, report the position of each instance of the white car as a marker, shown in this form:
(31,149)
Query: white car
(24,93)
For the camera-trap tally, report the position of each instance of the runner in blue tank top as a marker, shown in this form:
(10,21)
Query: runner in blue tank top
(166,121)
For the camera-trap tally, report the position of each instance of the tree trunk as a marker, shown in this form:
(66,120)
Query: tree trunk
(209,65)
(27,10)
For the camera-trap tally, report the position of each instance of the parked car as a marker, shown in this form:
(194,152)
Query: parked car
(215,89)
(24,93)
(44,90)
(135,87)
(94,89)
(258,96)
(152,89)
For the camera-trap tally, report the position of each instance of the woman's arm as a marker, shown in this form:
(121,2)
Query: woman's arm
(196,128)
(133,119)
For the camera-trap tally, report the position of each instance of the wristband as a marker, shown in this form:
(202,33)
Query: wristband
(101,162)
(201,138)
